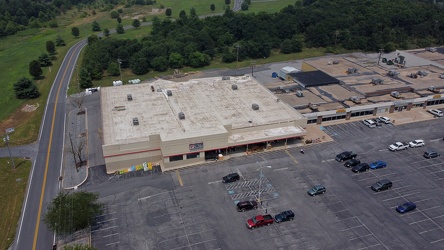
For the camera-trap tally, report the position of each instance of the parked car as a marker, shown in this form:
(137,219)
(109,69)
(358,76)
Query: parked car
(382,185)
(406,207)
(243,206)
(318,189)
(231,178)
(436,112)
(347,155)
(417,143)
(384,119)
(259,221)
(351,163)
(361,167)
(369,123)
(431,154)
(398,146)
(284,216)
(378,164)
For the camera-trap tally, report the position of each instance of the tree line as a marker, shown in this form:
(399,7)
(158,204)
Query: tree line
(194,42)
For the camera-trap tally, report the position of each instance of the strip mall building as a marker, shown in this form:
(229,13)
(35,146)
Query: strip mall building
(178,124)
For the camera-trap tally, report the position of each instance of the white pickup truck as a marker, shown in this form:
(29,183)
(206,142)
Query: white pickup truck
(398,146)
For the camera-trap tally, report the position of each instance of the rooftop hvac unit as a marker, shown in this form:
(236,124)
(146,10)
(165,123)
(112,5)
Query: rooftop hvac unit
(393,73)
(355,99)
(129,97)
(135,121)
(422,73)
(181,116)
(299,93)
(225,78)
(377,81)
(234,87)
(352,70)
(169,93)
(395,94)
(335,62)
(255,106)
(434,89)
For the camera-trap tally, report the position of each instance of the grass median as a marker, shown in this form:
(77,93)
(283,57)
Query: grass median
(12,192)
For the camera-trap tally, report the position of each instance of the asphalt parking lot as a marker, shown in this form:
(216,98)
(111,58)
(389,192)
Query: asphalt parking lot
(193,209)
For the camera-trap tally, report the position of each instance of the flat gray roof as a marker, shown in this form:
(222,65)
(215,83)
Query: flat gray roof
(207,103)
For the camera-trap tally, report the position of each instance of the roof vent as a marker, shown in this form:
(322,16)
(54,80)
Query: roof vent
(169,93)
(352,71)
(255,106)
(225,78)
(181,116)
(129,97)
(135,121)
(234,87)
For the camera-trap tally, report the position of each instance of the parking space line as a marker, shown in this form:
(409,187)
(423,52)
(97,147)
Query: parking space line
(419,221)
(429,208)
(109,244)
(102,229)
(401,196)
(280,169)
(430,230)
(214,182)
(105,214)
(190,245)
(385,174)
(181,236)
(441,170)
(345,219)
(173,228)
(339,211)
(179,178)
(151,196)
(361,237)
(422,200)
(433,242)
(106,220)
(109,235)
(369,246)
(352,228)
(402,187)
(324,205)
(431,165)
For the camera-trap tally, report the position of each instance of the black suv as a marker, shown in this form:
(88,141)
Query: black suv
(284,216)
(351,163)
(347,155)
(382,185)
(361,167)
(243,206)
(231,178)
(431,154)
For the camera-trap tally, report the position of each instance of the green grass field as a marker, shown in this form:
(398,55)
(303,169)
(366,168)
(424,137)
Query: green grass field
(12,192)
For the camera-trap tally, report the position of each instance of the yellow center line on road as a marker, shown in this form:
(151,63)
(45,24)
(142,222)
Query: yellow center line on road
(179,178)
(39,213)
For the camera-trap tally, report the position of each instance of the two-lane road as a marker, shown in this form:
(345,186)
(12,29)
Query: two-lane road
(44,185)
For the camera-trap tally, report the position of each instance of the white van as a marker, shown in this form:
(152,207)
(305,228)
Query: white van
(369,123)
(436,112)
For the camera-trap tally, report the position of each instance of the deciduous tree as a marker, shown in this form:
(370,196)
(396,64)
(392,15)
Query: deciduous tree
(212,7)
(50,47)
(136,23)
(168,12)
(70,212)
(95,26)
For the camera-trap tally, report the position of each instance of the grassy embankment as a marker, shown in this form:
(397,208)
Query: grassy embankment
(12,192)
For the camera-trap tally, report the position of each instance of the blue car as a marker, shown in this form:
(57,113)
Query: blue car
(378,164)
(406,207)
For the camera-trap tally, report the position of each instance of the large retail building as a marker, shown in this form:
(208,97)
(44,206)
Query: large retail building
(178,124)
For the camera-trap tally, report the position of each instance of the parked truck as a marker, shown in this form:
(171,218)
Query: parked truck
(259,221)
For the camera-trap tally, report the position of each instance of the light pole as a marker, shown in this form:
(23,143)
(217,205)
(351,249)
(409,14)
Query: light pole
(6,140)
(260,181)
(237,55)
(120,70)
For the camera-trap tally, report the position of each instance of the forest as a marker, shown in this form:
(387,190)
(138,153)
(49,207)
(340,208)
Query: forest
(355,25)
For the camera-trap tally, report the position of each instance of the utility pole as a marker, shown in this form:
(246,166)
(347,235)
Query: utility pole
(6,140)
(237,55)
(77,78)
(380,54)
(252,63)
(260,181)
(120,70)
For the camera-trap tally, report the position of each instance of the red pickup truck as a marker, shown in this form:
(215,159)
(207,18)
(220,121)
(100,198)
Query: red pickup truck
(259,221)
